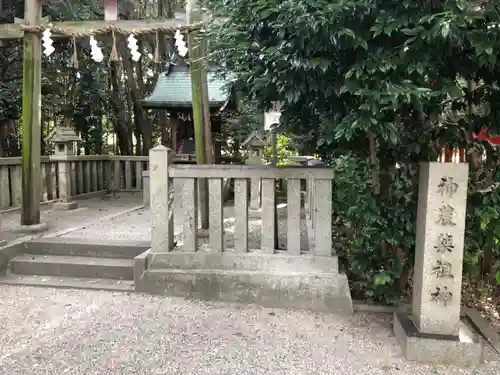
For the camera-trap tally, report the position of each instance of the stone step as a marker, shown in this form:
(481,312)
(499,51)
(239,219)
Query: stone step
(86,247)
(68,282)
(321,292)
(280,263)
(57,265)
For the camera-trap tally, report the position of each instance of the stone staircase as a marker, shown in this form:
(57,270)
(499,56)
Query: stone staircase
(277,280)
(75,263)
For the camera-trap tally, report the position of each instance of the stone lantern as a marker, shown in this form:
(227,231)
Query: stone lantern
(255,146)
(272,118)
(64,139)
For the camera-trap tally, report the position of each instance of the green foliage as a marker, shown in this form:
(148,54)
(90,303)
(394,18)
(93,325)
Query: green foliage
(482,239)
(284,149)
(84,101)
(374,87)
(357,64)
(367,221)
(238,125)
(378,273)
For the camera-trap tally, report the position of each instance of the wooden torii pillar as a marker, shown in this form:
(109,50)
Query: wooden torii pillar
(30,29)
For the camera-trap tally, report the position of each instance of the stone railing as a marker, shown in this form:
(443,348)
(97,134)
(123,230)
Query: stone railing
(241,260)
(163,174)
(11,182)
(63,177)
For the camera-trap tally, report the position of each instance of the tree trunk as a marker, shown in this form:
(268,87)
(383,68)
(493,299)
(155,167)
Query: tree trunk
(120,123)
(373,161)
(137,130)
(140,119)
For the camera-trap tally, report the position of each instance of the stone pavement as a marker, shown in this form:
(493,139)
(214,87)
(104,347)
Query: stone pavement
(88,212)
(136,226)
(53,331)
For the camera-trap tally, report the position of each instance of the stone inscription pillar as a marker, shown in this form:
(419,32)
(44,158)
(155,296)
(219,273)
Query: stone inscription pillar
(439,247)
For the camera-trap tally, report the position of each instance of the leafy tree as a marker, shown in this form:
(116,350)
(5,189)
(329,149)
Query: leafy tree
(238,125)
(98,99)
(375,87)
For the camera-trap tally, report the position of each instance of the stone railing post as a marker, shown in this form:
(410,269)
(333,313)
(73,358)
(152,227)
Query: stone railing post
(255,184)
(311,189)
(310,198)
(255,199)
(161,199)
(145,189)
(2,242)
(108,174)
(117,178)
(64,182)
(322,216)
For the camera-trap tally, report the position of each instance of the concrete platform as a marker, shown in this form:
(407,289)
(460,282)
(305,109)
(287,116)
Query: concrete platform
(252,261)
(465,349)
(270,280)
(326,292)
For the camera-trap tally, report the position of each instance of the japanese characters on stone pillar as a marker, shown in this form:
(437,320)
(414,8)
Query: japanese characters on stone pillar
(439,247)
(435,332)
(64,139)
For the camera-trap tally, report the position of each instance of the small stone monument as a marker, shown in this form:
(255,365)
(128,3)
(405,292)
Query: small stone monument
(434,332)
(64,139)
(255,146)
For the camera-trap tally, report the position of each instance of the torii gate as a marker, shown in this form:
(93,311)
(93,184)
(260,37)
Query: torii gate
(30,29)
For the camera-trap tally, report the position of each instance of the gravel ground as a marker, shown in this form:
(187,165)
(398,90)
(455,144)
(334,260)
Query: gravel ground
(137,226)
(88,211)
(53,331)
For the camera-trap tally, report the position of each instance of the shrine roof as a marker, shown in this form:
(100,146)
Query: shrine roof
(254,140)
(174,91)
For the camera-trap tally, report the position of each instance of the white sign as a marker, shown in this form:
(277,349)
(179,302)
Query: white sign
(271,118)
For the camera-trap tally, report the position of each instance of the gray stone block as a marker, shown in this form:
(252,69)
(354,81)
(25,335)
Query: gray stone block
(65,206)
(69,282)
(246,279)
(280,263)
(464,349)
(248,171)
(86,247)
(6,254)
(50,265)
(141,263)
